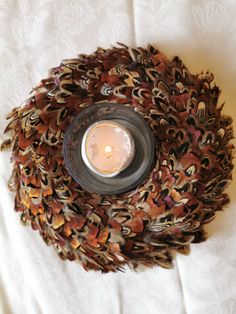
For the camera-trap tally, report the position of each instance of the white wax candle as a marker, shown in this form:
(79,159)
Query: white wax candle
(107,148)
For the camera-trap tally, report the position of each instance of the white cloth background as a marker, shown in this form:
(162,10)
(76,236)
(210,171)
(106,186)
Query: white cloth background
(34,36)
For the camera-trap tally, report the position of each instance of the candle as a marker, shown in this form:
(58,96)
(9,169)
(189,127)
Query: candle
(107,148)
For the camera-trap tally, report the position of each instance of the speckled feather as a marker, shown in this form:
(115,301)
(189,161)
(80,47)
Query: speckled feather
(185,188)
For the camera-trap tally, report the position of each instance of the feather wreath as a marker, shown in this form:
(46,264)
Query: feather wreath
(184,189)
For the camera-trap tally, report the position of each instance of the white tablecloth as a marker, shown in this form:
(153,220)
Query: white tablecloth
(34,36)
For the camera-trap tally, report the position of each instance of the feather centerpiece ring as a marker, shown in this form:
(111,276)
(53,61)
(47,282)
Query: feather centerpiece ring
(173,183)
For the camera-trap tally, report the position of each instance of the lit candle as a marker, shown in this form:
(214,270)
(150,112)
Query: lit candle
(107,148)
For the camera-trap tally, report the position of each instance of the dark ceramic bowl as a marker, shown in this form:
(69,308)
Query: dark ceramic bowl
(130,177)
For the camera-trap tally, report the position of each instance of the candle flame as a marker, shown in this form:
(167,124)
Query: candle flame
(108,149)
